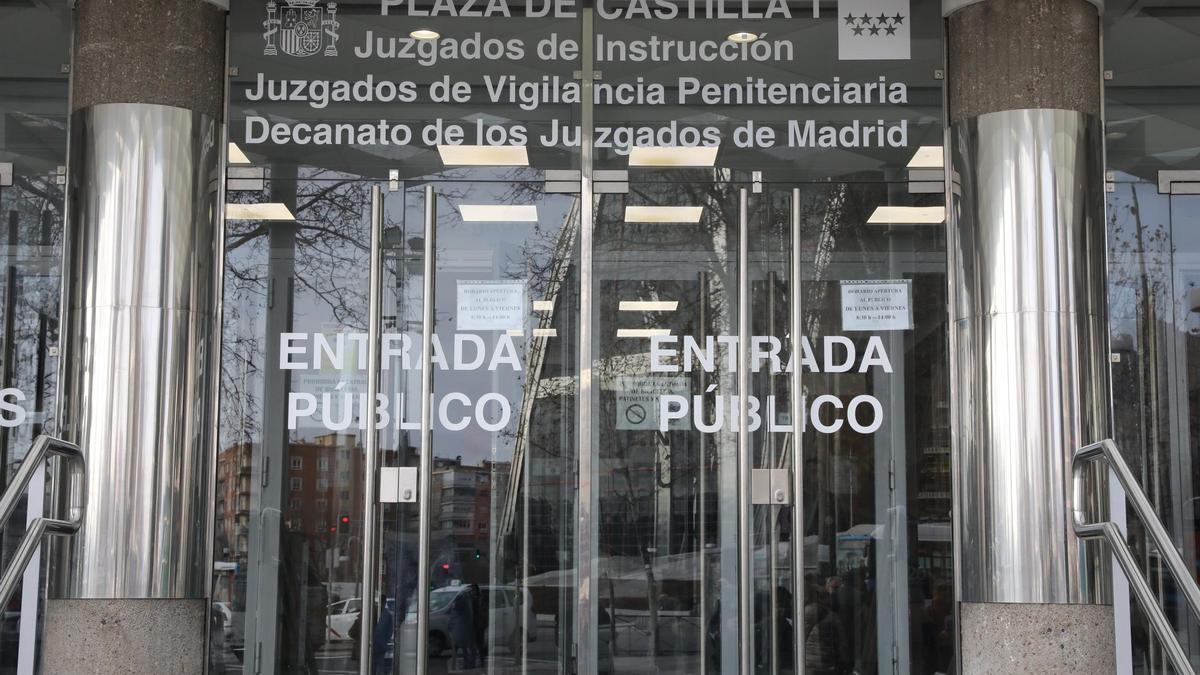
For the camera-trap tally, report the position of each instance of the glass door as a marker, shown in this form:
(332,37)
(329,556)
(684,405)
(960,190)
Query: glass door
(695,502)
(497,559)
(668,558)
(1154,301)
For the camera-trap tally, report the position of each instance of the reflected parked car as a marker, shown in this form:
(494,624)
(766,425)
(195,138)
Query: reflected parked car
(505,604)
(340,617)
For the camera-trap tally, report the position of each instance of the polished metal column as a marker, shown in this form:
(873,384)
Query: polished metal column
(137,363)
(1029,334)
(140,349)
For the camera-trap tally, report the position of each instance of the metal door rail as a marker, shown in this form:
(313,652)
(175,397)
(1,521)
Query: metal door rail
(1108,531)
(35,461)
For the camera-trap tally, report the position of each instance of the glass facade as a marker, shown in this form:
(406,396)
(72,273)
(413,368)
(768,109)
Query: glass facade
(34,46)
(1151,130)
(573,512)
(594,441)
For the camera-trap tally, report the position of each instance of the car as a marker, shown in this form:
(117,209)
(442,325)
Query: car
(506,605)
(340,617)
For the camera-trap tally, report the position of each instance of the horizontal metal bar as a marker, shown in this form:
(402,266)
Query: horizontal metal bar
(565,175)
(611,188)
(1166,178)
(562,187)
(245,185)
(925,188)
(246,172)
(610,175)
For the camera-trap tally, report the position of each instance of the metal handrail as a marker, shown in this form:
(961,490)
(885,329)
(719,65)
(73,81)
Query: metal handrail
(34,461)
(1108,531)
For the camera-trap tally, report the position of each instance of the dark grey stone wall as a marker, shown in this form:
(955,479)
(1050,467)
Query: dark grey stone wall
(169,52)
(1015,54)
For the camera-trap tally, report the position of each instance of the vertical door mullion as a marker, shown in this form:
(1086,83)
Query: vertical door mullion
(702,508)
(425,470)
(371,433)
(586,644)
(745,457)
(797,400)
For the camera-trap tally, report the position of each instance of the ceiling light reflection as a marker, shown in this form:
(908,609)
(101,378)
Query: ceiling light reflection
(648,305)
(264,211)
(663,214)
(498,213)
(908,215)
(668,156)
(483,155)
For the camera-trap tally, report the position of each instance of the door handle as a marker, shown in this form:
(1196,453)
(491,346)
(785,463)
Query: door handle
(398,485)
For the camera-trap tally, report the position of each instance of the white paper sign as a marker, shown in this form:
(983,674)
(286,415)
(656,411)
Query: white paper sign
(637,400)
(877,305)
(491,305)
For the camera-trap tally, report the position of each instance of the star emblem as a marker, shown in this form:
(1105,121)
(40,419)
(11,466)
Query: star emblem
(881,18)
(849,19)
(891,30)
(899,18)
(865,18)
(874,30)
(858,30)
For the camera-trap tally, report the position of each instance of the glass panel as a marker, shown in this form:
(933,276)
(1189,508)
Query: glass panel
(1150,106)
(667,551)
(878,573)
(877,524)
(34,43)
(502,490)
(288,565)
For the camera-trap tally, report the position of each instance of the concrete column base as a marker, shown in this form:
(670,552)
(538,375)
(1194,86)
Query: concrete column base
(124,637)
(1027,638)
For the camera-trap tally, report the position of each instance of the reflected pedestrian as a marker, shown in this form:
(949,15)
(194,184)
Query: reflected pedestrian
(462,629)
(479,609)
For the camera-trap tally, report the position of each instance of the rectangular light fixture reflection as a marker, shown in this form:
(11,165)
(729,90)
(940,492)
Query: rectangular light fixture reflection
(484,155)
(663,214)
(265,211)
(908,215)
(498,213)
(667,156)
(642,332)
(236,156)
(543,305)
(927,157)
(649,305)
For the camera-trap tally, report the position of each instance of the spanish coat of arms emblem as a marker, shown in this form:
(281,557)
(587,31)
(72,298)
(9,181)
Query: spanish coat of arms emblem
(299,28)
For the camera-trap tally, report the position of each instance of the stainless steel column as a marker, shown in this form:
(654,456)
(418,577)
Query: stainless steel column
(139,342)
(137,370)
(1029,335)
